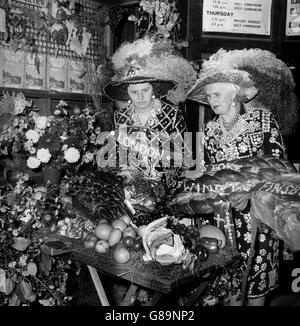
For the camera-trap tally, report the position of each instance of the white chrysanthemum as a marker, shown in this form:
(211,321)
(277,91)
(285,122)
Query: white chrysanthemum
(33,162)
(32,135)
(41,122)
(72,155)
(43,155)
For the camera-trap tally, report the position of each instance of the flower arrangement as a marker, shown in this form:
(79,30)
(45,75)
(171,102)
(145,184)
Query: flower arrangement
(27,275)
(17,116)
(62,141)
(160,20)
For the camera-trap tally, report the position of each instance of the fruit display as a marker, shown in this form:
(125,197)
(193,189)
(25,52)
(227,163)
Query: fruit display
(118,236)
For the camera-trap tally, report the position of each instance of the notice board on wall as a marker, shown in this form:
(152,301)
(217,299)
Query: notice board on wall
(237,16)
(292,18)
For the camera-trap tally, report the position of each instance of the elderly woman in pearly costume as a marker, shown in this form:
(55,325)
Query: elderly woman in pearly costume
(149,123)
(241,130)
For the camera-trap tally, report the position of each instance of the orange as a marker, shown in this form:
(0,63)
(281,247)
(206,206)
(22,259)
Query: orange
(103,230)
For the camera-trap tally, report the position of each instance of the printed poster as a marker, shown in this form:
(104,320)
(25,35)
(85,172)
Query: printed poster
(292,18)
(12,68)
(33,78)
(75,83)
(57,74)
(237,16)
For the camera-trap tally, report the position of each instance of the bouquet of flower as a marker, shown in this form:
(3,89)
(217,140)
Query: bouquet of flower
(17,116)
(27,275)
(62,140)
(160,20)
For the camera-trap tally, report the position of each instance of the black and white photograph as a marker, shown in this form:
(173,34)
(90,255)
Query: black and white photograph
(149,157)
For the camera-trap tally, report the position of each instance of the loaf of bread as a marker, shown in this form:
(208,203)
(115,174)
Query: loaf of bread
(233,181)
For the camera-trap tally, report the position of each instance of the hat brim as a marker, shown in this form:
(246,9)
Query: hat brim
(248,90)
(117,90)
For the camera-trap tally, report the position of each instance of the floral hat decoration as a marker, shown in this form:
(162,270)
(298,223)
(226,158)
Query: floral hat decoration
(269,75)
(157,62)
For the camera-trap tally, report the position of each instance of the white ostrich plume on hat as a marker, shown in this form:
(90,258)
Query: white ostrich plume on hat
(140,47)
(262,61)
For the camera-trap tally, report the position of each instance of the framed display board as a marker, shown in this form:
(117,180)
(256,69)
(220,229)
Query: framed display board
(292,27)
(237,16)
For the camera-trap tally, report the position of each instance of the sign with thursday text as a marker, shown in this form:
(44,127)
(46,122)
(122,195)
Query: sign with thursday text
(237,16)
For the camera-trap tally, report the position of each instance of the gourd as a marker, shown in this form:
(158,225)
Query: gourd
(211,231)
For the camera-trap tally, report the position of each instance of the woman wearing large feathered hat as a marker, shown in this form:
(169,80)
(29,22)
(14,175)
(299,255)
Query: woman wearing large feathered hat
(248,91)
(150,80)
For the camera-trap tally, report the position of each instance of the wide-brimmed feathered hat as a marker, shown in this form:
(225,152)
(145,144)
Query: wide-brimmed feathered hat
(117,90)
(146,61)
(217,75)
(270,75)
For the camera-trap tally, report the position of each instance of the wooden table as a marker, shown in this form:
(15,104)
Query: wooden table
(161,280)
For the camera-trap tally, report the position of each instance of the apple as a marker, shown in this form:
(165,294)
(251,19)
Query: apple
(121,255)
(119,224)
(90,241)
(102,231)
(102,247)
